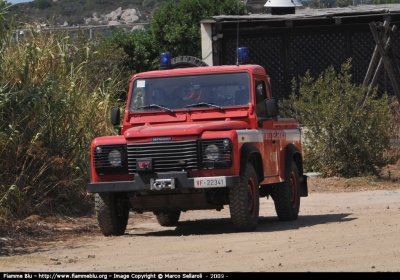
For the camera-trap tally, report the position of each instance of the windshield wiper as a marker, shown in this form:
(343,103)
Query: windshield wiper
(204,104)
(156,106)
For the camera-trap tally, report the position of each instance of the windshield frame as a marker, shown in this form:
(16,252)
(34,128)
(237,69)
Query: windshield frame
(219,89)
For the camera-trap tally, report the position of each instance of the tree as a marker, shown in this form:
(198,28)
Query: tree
(174,28)
(138,47)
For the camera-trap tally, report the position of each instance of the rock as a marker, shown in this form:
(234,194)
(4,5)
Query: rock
(114,23)
(114,15)
(138,27)
(129,15)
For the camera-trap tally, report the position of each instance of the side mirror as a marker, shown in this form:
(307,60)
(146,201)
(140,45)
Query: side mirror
(272,107)
(115,116)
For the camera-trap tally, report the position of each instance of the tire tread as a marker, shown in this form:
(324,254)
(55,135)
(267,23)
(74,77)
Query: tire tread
(107,215)
(242,221)
(168,219)
(281,196)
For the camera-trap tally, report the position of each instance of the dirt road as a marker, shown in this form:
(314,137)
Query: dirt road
(344,231)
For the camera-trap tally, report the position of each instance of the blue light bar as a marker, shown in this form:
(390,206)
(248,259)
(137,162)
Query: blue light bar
(165,60)
(242,55)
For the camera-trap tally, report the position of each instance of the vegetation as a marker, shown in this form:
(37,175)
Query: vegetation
(140,53)
(174,28)
(346,131)
(55,97)
(75,11)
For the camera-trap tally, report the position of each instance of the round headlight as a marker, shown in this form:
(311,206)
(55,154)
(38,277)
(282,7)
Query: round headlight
(114,157)
(212,152)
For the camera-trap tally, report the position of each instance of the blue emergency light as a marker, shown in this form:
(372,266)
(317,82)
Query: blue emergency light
(165,60)
(242,55)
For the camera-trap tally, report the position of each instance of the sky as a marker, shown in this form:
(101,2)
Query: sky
(18,1)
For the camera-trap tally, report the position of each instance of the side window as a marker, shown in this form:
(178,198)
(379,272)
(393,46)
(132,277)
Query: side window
(261,110)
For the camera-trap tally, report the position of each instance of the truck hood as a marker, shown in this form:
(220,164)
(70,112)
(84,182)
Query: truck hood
(179,129)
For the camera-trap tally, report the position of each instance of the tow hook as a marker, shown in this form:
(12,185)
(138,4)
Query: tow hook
(161,184)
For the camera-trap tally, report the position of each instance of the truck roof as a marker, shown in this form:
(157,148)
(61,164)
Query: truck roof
(252,68)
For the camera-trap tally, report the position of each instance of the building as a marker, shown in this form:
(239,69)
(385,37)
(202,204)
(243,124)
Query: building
(311,39)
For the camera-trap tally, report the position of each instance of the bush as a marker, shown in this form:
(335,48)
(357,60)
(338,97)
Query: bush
(343,135)
(138,48)
(55,97)
(176,27)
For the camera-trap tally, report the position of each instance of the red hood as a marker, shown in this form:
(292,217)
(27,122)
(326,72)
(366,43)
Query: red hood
(179,129)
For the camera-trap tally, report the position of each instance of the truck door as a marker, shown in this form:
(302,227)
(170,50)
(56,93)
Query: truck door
(270,137)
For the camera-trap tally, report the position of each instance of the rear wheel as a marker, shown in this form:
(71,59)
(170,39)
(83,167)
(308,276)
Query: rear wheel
(287,197)
(244,201)
(112,214)
(168,219)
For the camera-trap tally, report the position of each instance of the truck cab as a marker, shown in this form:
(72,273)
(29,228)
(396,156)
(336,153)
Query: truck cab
(197,138)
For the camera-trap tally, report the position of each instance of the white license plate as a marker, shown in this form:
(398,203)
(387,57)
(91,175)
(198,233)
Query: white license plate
(210,182)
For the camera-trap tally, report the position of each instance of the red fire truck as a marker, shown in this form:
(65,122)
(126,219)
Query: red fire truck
(195,138)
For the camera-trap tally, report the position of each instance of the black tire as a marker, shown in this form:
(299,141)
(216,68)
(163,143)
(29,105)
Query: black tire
(168,219)
(112,216)
(287,195)
(187,61)
(244,201)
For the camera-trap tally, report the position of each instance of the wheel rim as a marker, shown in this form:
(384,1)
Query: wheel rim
(293,189)
(251,195)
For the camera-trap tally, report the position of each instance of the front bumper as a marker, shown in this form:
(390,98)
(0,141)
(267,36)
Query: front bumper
(158,181)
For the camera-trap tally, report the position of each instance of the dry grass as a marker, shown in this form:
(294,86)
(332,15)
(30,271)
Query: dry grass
(389,180)
(55,97)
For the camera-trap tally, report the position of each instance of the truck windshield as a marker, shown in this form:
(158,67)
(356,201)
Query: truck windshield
(191,91)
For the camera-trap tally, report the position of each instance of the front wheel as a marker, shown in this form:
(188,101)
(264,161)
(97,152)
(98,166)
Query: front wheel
(244,201)
(287,197)
(112,214)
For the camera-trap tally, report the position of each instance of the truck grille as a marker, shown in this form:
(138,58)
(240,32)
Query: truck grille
(102,161)
(167,156)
